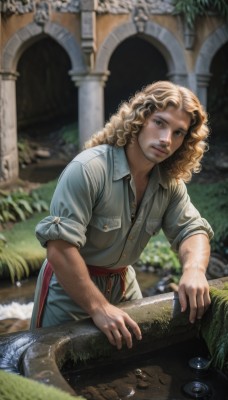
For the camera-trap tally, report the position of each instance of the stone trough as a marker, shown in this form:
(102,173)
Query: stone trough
(41,354)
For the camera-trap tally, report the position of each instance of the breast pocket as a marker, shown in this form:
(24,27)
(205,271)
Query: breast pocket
(152,228)
(102,232)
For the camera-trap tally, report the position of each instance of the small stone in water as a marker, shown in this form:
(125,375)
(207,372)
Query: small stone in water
(142,384)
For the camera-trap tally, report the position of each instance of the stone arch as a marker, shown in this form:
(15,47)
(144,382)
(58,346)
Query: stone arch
(160,37)
(12,52)
(209,48)
(202,67)
(24,37)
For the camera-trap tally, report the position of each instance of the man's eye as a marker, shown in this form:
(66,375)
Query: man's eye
(157,122)
(180,133)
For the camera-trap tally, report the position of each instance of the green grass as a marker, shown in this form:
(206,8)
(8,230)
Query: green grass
(22,253)
(212,202)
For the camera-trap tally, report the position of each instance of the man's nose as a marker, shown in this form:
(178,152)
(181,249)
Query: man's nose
(166,136)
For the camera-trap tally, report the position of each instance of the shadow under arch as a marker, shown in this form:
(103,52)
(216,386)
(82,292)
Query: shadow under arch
(159,36)
(31,33)
(134,64)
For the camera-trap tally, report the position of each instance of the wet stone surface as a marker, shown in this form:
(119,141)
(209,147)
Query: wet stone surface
(162,375)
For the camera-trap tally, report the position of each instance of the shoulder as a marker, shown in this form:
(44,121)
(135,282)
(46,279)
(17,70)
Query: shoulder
(97,154)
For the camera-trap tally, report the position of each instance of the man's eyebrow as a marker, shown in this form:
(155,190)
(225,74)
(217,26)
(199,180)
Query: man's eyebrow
(167,122)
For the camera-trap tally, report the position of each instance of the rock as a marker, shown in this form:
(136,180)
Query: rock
(42,153)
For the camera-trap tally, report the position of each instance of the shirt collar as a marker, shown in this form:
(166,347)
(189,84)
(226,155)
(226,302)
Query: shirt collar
(121,168)
(120,164)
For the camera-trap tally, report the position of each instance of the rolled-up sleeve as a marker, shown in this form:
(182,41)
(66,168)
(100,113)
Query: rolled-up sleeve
(70,209)
(181,219)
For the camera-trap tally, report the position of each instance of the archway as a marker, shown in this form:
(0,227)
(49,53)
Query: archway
(134,64)
(218,93)
(12,53)
(46,111)
(203,63)
(46,96)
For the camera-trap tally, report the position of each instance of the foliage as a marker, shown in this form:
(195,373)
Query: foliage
(158,254)
(12,263)
(21,243)
(25,152)
(14,387)
(211,201)
(69,134)
(193,8)
(214,328)
(19,205)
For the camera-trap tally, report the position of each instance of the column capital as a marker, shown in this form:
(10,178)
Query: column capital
(203,80)
(80,78)
(9,75)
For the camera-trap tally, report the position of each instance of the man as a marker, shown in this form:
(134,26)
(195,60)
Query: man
(111,199)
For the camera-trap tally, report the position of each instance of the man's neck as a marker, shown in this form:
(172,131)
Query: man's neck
(139,166)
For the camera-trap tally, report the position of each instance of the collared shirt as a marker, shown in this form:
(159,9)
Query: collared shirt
(94,208)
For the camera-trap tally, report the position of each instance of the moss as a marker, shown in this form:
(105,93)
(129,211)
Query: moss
(214,328)
(14,387)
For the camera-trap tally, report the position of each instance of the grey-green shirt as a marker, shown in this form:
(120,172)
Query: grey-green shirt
(94,208)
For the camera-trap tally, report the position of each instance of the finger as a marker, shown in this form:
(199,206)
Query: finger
(134,326)
(110,336)
(117,338)
(193,307)
(200,305)
(207,300)
(182,299)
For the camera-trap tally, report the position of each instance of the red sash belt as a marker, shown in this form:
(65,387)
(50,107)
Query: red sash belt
(44,292)
(93,271)
(109,273)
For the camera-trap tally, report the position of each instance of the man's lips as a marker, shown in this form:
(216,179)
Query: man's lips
(160,149)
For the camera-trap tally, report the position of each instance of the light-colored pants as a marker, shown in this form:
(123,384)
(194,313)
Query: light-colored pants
(59,307)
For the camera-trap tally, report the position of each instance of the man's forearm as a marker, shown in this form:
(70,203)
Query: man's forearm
(73,276)
(194,252)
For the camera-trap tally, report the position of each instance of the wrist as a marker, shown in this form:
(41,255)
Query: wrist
(194,267)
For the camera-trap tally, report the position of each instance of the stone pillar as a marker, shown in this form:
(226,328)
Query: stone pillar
(90,103)
(8,129)
(202,85)
(178,78)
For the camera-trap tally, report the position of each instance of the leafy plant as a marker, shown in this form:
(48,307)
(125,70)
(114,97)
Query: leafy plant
(193,8)
(69,134)
(158,254)
(19,205)
(211,201)
(25,152)
(11,263)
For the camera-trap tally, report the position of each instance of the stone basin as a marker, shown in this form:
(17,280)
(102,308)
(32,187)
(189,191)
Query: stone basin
(41,354)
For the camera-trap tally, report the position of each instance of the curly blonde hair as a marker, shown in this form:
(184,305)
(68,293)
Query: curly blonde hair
(132,115)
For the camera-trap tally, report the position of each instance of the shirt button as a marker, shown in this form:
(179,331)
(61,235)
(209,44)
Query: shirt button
(105,227)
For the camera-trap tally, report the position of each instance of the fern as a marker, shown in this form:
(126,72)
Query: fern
(193,8)
(12,263)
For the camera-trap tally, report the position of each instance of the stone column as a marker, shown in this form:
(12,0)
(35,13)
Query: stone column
(178,78)
(8,129)
(202,86)
(90,104)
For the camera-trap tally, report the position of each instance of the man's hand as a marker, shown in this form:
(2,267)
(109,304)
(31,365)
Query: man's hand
(193,287)
(114,323)
(194,254)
